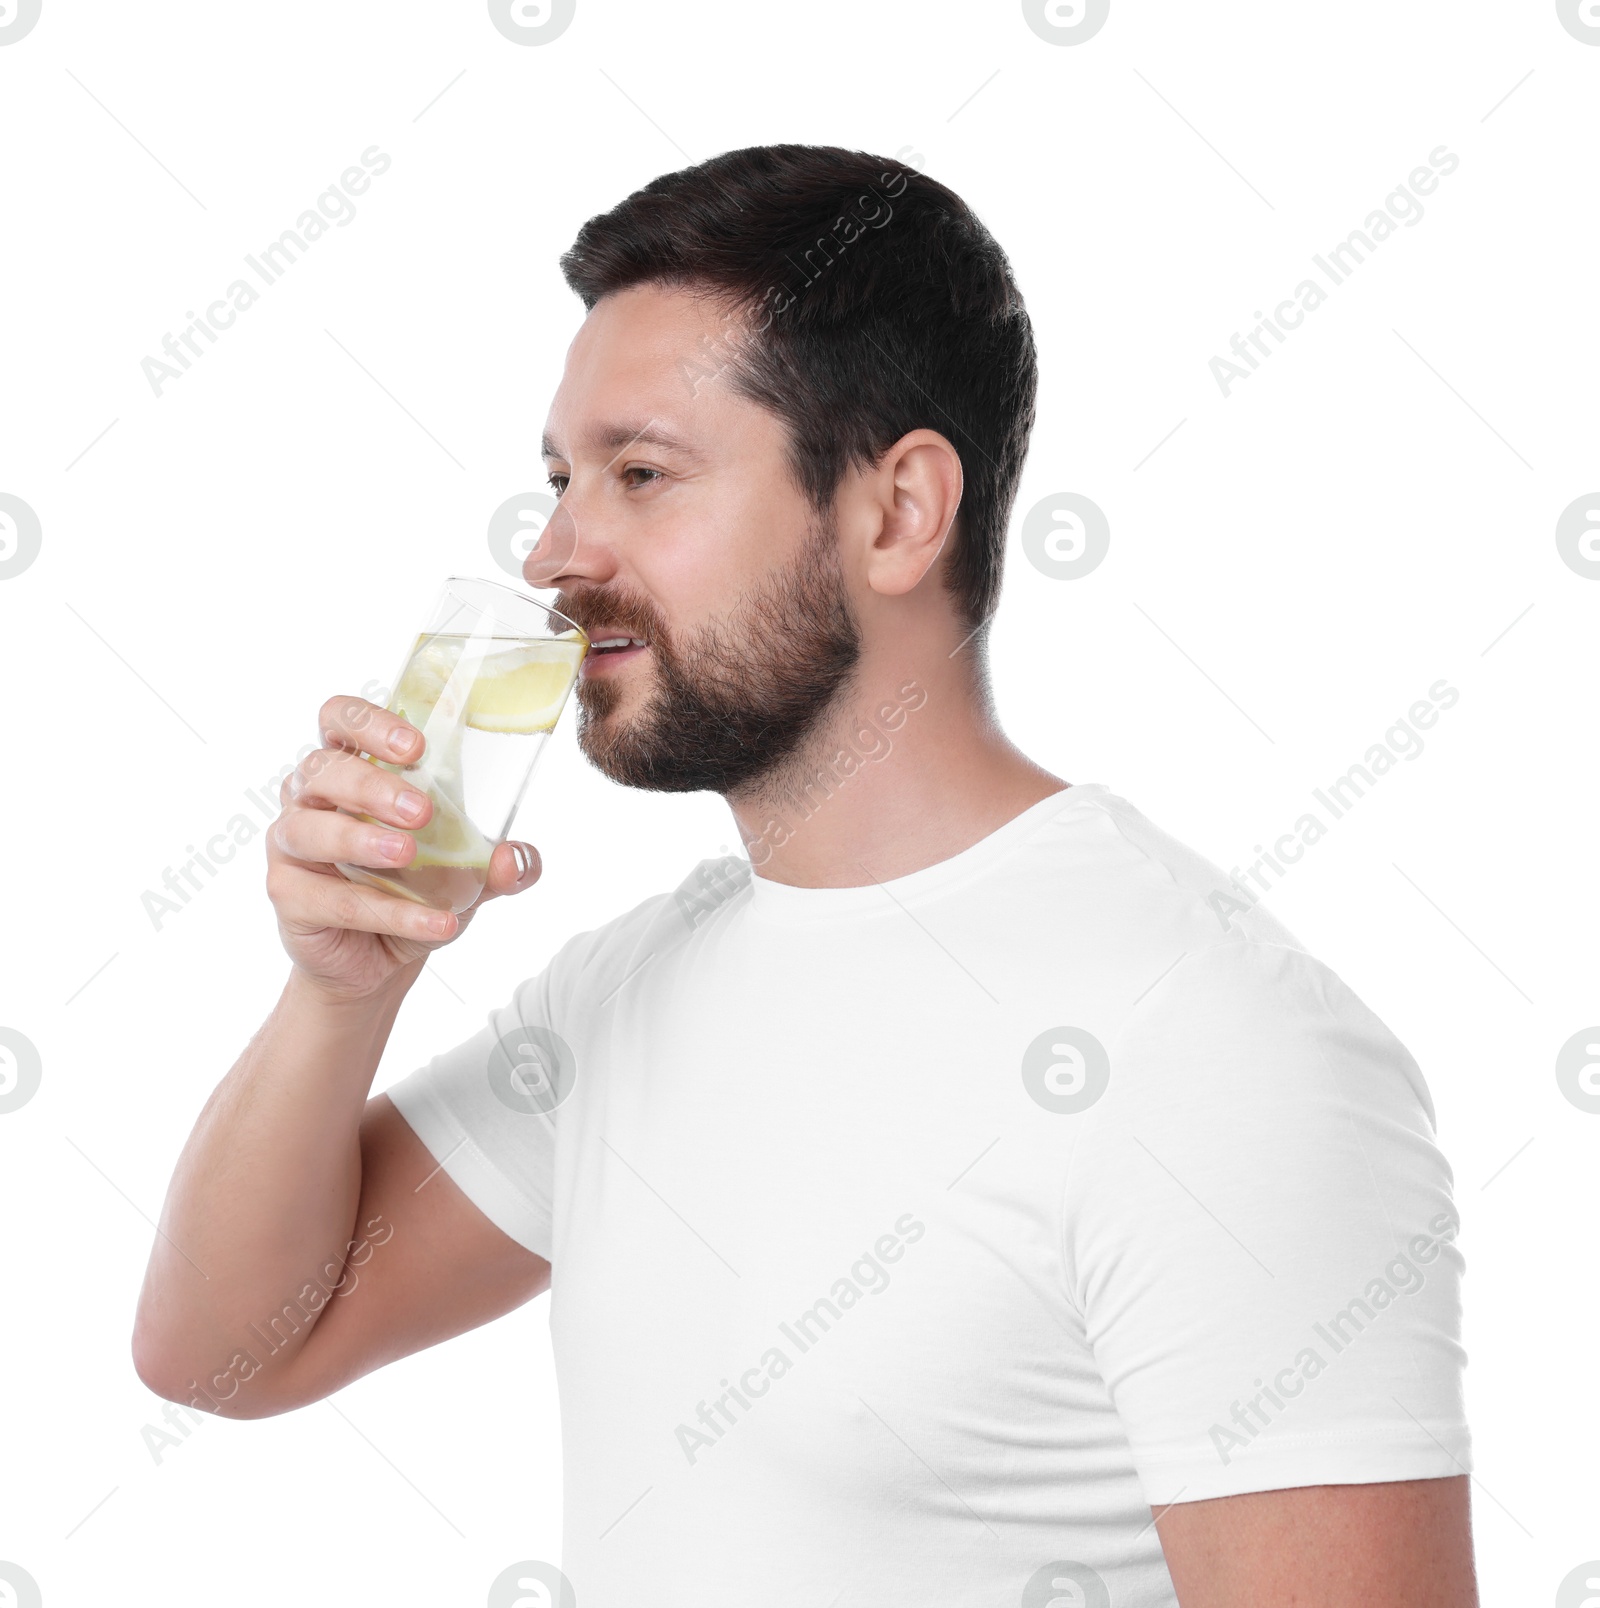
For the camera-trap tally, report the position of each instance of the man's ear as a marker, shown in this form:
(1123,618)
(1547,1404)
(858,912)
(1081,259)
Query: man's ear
(915,491)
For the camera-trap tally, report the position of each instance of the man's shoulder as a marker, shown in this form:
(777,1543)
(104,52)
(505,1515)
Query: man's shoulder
(1245,1024)
(1140,895)
(1187,954)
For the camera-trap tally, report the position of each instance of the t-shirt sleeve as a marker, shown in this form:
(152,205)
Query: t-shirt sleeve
(488,1109)
(1259,1233)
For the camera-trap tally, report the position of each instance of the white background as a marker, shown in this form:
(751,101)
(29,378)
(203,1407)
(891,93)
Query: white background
(1289,571)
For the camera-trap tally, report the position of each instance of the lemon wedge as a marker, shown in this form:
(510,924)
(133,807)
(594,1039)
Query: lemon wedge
(427,673)
(523,689)
(449,838)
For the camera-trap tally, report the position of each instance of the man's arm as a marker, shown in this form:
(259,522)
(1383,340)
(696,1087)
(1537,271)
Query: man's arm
(1401,1544)
(309,1236)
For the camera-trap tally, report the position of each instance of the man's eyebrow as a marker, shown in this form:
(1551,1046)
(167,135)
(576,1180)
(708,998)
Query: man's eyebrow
(617,438)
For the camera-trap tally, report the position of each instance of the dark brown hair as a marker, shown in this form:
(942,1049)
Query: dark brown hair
(869,301)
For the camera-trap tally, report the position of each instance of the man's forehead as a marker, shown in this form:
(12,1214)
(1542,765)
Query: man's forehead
(637,374)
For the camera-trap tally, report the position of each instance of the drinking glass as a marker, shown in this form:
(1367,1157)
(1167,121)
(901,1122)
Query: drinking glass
(484,682)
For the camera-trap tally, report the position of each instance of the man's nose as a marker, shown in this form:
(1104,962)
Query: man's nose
(561,553)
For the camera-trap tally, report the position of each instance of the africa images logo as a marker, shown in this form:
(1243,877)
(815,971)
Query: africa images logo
(532,22)
(1403,206)
(20,534)
(1581,19)
(17,19)
(1066,22)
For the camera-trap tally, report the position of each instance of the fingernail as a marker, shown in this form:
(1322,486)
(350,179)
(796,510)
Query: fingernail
(409,805)
(523,858)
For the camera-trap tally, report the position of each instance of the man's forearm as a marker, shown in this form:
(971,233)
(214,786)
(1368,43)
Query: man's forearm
(263,1200)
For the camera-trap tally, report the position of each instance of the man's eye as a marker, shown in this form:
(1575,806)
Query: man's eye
(639,469)
(558,483)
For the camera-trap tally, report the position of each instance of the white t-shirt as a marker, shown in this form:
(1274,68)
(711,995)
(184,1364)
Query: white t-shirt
(911,1241)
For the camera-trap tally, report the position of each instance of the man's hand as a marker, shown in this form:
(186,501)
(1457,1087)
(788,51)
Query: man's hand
(1400,1544)
(347,939)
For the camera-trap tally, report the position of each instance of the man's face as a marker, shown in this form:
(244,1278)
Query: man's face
(678,526)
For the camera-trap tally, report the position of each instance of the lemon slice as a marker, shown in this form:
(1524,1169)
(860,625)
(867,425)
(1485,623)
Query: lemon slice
(522,689)
(450,838)
(427,673)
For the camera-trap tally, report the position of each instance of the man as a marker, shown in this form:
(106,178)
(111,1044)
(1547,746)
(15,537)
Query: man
(961,1199)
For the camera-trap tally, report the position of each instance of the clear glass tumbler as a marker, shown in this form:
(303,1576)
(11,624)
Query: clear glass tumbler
(484,682)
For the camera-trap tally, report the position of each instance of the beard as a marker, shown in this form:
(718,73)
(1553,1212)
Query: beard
(737,698)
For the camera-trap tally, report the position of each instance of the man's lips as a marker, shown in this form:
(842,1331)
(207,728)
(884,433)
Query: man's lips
(608,649)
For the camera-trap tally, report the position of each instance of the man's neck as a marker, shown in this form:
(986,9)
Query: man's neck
(904,772)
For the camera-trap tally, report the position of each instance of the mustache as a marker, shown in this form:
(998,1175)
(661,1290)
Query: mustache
(627,612)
